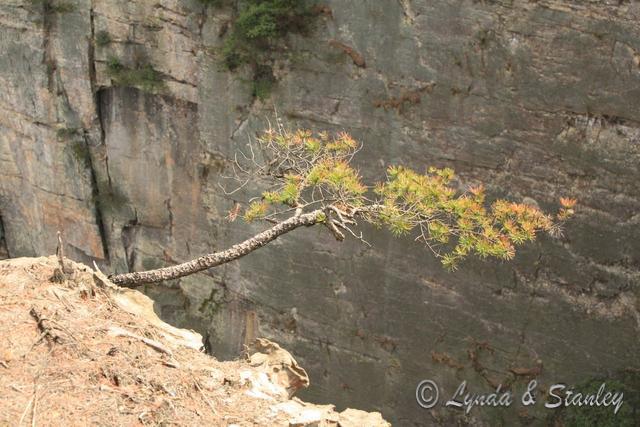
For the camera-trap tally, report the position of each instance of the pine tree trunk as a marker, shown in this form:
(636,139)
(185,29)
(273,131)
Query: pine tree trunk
(213,260)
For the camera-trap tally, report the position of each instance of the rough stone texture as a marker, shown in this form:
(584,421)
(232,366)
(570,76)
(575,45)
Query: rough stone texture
(536,99)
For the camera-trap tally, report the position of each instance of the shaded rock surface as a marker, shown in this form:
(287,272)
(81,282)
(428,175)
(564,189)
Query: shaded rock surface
(536,99)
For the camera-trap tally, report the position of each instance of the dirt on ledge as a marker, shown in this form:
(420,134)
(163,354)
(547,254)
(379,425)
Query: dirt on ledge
(81,351)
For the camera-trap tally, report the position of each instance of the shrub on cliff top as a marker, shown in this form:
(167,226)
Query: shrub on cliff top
(264,19)
(257,27)
(255,32)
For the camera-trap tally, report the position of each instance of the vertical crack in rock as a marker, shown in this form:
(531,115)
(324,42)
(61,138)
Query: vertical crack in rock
(100,220)
(171,220)
(4,250)
(91,54)
(129,235)
(48,59)
(100,101)
(95,198)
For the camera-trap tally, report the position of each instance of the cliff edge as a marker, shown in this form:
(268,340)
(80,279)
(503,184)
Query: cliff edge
(77,350)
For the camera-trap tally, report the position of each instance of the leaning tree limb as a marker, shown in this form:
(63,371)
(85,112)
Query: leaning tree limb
(312,182)
(215,259)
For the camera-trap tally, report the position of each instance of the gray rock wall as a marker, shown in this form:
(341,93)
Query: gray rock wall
(535,99)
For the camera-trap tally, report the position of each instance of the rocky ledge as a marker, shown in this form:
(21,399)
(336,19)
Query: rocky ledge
(77,350)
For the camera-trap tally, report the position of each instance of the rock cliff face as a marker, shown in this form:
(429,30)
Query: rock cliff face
(536,99)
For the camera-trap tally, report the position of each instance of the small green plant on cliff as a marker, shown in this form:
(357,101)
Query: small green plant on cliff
(103,38)
(263,81)
(143,77)
(262,88)
(257,31)
(80,152)
(212,304)
(52,6)
(75,145)
(311,181)
(66,133)
(258,27)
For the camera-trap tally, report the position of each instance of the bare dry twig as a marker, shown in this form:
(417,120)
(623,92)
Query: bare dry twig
(120,332)
(46,327)
(205,398)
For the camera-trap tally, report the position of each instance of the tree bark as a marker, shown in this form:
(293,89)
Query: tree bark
(215,259)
